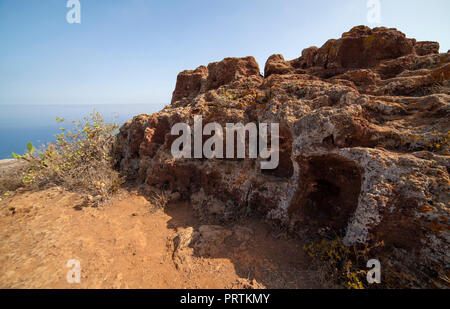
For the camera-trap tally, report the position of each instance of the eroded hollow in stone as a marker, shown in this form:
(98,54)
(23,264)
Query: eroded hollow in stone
(327,194)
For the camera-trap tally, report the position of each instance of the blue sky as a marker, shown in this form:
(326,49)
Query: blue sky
(130,51)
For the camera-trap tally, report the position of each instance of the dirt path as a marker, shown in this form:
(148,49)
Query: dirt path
(125,245)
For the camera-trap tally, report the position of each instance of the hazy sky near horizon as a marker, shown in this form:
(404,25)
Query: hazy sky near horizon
(131,51)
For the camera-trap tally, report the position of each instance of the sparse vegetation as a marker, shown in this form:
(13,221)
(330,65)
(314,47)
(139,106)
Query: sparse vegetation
(81,160)
(432,141)
(159,200)
(340,265)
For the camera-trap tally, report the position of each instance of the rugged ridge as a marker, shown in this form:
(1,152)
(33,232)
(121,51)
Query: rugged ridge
(364,128)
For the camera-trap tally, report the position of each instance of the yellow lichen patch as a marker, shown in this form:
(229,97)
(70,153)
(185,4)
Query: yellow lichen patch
(432,141)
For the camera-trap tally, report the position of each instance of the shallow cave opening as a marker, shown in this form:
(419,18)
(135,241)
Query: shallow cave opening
(327,194)
(319,202)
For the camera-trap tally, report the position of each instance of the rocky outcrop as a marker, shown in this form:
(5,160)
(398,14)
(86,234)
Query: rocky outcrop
(191,83)
(364,129)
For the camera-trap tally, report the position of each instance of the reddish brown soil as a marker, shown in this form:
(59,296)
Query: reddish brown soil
(125,245)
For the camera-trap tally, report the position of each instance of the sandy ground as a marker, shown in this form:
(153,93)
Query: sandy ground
(125,245)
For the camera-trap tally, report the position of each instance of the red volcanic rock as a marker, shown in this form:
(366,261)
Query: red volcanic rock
(277,65)
(363,47)
(364,79)
(426,48)
(189,83)
(154,136)
(309,56)
(364,131)
(229,69)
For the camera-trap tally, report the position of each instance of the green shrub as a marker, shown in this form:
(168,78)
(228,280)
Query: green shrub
(81,159)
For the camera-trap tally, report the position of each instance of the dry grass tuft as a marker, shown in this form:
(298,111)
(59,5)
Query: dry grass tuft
(159,200)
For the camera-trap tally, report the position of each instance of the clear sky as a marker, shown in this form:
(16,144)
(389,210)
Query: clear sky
(130,51)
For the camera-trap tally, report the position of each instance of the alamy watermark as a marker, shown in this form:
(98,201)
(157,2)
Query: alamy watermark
(258,140)
(374,274)
(374,11)
(74,14)
(74,274)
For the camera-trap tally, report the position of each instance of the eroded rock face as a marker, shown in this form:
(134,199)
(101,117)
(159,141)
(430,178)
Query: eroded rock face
(190,83)
(364,129)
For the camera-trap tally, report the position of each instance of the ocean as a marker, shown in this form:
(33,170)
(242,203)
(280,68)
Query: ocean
(20,124)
